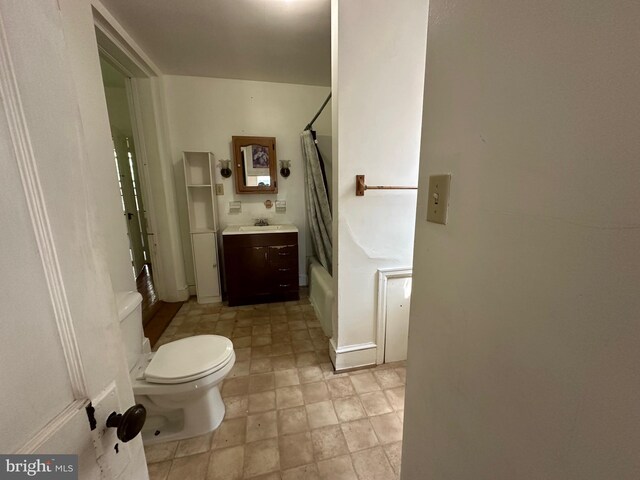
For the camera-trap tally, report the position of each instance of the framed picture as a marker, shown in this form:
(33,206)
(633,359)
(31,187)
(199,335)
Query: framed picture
(256,160)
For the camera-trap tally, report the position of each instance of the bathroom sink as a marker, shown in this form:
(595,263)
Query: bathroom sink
(259,228)
(248,229)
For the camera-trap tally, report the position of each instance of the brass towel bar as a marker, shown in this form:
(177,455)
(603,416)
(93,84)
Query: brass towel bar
(361,186)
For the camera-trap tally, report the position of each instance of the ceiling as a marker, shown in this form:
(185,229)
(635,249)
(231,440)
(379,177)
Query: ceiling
(286,41)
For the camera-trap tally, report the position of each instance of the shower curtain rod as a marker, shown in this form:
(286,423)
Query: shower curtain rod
(310,124)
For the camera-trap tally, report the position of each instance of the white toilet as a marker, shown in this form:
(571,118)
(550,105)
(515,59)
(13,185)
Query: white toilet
(178,384)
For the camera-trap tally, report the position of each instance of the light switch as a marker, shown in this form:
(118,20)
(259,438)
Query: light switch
(219,188)
(438,198)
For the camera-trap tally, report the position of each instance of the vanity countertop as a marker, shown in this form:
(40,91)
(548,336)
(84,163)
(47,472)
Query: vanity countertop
(248,229)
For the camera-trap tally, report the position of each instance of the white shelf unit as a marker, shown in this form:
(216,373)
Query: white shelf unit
(203,224)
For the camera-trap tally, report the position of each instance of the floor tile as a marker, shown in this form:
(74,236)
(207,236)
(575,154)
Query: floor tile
(394,455)
(388,428)
(283,362)
(261,352)
(395,397)
(388,378)
(235,386)
(349,408)
(262,402)
(240,369)
(375,403)
(372,464)
(159,471)
(236,406)
(306,359)
(193,467)
(259,340)
(287,378)
(287,397)
(231,432)
(321,414)
(160,452)
(328,442)
(292,420)
(226,464)
(340,387)
(315,392)
(339,468)
(261,330)
(261,382)
(310,374)
(194,445)
(262,426)
(295,450)
(261,457)
(260,365)
(281,349)
(359,434)
(305,472)
(242,354)
(364,382)
(241,342)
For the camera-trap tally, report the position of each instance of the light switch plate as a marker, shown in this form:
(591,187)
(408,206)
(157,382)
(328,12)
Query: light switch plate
(438,198)
(219,188)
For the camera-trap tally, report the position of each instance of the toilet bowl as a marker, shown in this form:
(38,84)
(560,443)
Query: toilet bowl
(178,384)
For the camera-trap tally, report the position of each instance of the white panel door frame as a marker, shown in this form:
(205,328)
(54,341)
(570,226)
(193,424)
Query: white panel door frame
(384,275)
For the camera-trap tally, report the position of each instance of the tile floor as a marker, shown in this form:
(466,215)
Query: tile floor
(288,415)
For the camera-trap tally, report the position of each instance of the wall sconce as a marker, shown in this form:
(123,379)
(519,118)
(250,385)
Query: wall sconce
(225,169)
(285,169)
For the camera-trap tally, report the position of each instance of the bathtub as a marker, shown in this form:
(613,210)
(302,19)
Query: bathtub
(321,294)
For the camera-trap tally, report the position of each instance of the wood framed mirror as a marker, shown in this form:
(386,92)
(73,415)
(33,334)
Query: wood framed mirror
(255,163)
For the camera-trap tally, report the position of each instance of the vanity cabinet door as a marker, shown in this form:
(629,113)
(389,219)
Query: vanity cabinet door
(254,270)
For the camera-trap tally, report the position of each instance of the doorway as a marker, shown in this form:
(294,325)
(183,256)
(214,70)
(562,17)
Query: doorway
(125,158)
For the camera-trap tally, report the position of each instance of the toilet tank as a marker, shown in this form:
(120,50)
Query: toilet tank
(130,316)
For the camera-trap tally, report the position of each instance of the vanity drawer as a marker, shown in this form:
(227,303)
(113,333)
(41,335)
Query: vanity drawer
(287,285)
(284,271)
(283,255)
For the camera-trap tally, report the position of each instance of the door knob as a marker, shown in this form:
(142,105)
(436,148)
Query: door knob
(128,424)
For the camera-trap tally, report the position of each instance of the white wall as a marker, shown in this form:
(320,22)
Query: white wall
(377,82)
(203,115)
(524,339)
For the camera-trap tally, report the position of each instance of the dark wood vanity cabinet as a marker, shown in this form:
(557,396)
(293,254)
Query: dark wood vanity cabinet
(261,267)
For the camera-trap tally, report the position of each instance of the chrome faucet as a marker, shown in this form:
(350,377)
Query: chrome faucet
(261,222)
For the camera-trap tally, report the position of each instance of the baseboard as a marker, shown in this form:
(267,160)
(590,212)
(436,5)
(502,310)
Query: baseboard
(349,357)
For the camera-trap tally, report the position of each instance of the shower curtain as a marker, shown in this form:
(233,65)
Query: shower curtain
(318,208)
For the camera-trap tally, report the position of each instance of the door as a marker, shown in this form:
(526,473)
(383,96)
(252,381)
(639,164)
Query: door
(205,261)
(131,199)
(60,343)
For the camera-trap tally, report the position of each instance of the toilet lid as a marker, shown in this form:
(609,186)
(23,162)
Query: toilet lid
(188,359)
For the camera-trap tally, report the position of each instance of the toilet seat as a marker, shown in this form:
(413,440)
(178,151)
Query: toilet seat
(188,359)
